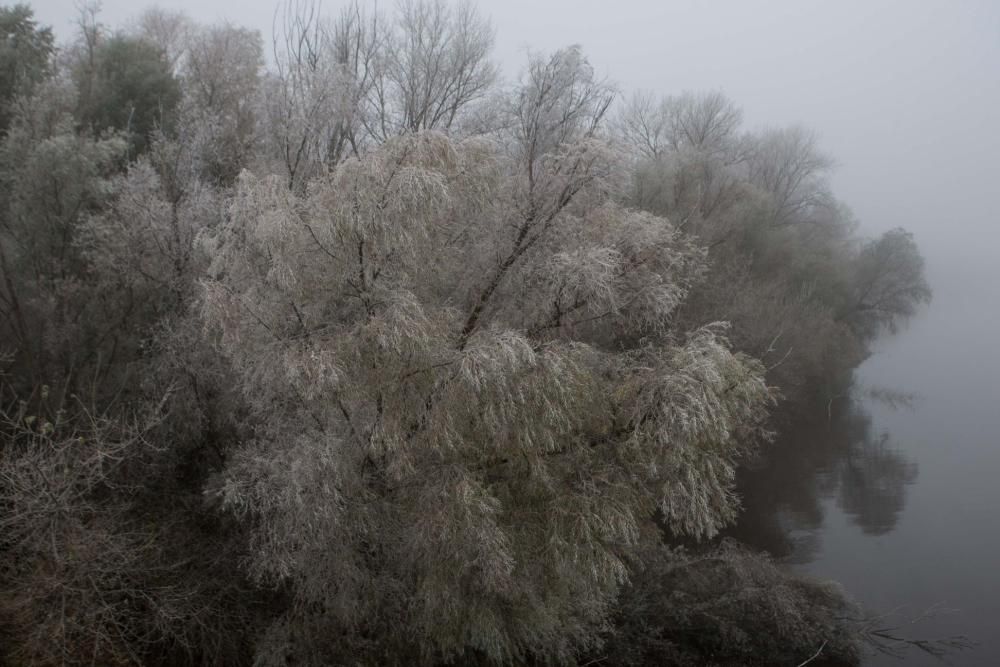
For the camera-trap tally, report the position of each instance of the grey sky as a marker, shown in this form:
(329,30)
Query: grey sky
(905,94)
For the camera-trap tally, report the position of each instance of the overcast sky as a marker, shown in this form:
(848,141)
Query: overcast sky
(904,94)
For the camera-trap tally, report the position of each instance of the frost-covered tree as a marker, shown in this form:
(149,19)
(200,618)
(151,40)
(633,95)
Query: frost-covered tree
(471,395)
(307,99)
(763,206)
(364,77)
(51,180)
(559,102)
(25,56)
(689,162)
(707,122)
(170,31)
(143,243)
(787,165)
(434,63)
(888,283)
(356,356)
(221,75)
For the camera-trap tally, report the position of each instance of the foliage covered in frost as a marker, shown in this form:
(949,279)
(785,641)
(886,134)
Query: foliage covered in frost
(419,357)
(810,297)
(472,403)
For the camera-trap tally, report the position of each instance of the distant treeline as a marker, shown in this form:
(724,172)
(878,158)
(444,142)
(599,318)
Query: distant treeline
(369,356)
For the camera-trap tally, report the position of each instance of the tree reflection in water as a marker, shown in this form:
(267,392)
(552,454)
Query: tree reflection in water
(839,457)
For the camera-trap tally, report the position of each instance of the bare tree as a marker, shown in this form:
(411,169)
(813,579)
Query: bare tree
(706,123)
(435,62)
(356,38)
(168,30)
(222,73)
(307,98)
(642,124)
(560,100)
(690,161)
(364,78)
(787,166)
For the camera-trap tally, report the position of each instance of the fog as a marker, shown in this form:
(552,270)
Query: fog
(904,95)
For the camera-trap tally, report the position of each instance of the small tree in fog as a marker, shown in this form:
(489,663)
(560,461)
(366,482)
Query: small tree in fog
(888,282)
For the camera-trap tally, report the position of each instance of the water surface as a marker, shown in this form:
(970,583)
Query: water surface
(902,505)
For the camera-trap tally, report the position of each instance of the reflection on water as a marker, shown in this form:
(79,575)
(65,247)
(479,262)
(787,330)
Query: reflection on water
(873,481)
(838,456)
(839,500)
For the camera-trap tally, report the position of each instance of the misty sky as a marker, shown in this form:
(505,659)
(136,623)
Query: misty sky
(904,94)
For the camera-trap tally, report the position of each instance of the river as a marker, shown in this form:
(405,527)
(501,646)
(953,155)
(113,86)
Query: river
(900,503)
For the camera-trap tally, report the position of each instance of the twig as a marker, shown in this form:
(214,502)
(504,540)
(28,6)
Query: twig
(814,655)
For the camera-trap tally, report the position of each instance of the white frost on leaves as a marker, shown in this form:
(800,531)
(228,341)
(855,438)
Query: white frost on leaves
(468,395)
